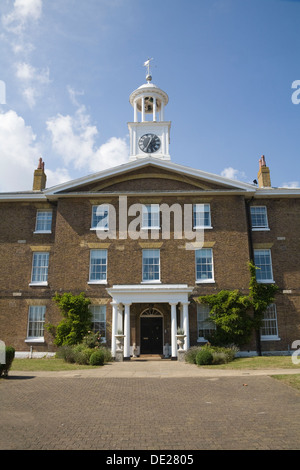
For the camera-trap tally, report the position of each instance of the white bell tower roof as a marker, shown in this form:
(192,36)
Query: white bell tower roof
(149,132)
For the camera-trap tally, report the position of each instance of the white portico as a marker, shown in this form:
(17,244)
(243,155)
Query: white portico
(125,296)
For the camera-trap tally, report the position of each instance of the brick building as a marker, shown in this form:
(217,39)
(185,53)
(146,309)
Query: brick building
(143,240)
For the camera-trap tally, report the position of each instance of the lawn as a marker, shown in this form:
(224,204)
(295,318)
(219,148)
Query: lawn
(45,364)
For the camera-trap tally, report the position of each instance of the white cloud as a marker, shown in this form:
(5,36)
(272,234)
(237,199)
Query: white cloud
(291,184)
(31,80)
(74,139)
(15,24)
(23,11)
(233,174)
(19,153)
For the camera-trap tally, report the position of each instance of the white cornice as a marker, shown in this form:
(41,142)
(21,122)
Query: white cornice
(26,196)
(140,163)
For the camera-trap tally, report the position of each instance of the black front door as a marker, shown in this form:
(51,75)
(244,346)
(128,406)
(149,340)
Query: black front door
(151,335)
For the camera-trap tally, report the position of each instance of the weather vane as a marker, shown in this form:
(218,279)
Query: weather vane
(147,64)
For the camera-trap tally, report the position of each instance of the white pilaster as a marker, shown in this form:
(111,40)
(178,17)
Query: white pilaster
(114,328)
(185,324)
(173,330)
(120,318)
(127,331)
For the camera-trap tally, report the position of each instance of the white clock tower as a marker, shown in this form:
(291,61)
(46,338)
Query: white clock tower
(149,132)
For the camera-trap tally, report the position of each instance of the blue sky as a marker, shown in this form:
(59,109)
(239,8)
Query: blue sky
(227,65)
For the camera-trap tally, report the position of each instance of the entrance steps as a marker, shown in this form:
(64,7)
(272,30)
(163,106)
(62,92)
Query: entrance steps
(150,357)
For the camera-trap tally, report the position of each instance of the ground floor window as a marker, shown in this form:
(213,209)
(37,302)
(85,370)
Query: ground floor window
(205,326)
(36,321)
(99,320)
(269,329)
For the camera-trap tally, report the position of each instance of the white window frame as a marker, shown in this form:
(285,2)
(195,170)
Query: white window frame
(98,311)
(202,320)
(42,219)
(269,323)
(146,255)
(258,227)
(263,252)
(91,270)
(151,213)
(99,211)
(198,212)
(39,312)
(208,279)
(40,268)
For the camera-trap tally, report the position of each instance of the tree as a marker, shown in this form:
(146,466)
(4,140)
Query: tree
(237,315)
(229,312)
(76,318)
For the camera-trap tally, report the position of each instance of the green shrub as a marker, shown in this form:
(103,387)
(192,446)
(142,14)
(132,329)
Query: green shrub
(9,357)
(82,354)
(204,357)
(97,358)
(66,353)
(190,355)
(107,353)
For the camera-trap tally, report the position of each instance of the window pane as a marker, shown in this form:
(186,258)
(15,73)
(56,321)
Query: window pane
(201,215)
(204,266)
(40,267)
(205,326)
(150,215)
(262,260)
(150,265)
(36,320)
(43,221)
(269,325)
(259,217)
(100,216)
(99,319)
(98,264)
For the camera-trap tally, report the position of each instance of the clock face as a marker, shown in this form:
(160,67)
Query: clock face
(149,143)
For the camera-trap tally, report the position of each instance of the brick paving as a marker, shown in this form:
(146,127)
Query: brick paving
(94,412)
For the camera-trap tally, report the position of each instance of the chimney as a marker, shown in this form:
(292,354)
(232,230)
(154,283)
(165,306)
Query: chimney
(263,174)
(39,178)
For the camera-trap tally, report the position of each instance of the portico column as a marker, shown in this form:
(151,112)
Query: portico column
(186,327)
(173,330)
(127,331)
(114,327)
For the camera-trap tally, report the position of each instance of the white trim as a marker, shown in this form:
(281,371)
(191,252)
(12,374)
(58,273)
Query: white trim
(145,161)
(150,293)
(37,283)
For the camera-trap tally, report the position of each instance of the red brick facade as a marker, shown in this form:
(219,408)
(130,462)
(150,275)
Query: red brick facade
(71,240)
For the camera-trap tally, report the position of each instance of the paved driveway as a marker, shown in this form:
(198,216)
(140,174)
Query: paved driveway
(141,406)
